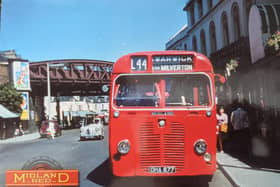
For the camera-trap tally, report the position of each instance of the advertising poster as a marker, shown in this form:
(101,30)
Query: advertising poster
(142,93)
(25,106)
(21,75)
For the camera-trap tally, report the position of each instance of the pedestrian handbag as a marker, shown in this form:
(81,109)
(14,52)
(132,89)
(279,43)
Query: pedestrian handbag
(224,127)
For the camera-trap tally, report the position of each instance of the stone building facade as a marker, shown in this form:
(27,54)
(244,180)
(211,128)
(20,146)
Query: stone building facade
(235,34)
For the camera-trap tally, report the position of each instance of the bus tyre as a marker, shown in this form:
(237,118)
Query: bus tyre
(41,162)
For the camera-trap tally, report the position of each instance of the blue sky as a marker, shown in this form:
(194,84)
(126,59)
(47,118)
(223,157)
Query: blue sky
(88,29)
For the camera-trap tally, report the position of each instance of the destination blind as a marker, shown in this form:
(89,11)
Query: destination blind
(172,63)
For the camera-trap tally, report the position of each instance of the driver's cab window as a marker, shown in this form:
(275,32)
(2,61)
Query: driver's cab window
(136,91)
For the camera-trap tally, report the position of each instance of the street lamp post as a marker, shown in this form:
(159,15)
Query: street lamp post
(49,90)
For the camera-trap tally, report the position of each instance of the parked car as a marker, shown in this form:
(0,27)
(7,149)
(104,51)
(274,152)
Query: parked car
(45,130)
(92,129)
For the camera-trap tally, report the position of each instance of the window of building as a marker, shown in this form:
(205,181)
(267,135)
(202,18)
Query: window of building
(194,44)
(225,29)
(264,22)
(271,18)
(185,47)
(248,3)
(192,14)
(200,8)
(277,8)
(203,42)
(236,21)
(213,41)
(210,4)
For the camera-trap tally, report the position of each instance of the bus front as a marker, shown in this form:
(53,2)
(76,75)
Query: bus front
(162,115)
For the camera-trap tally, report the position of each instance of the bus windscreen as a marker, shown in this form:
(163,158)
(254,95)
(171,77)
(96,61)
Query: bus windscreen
(173,90)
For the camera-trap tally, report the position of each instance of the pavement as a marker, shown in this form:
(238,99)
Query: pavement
(23,138)
(244,175)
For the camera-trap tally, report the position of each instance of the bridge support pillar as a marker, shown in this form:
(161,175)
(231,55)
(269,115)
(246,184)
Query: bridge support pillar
(39,114)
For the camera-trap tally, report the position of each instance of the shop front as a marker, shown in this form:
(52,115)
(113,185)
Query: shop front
(8,122)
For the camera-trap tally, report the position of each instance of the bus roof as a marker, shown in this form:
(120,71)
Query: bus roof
(162,62)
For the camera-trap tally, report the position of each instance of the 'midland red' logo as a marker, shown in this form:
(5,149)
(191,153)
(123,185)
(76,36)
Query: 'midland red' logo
(42,171)
(42,178)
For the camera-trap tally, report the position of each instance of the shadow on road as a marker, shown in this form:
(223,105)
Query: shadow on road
(103,176)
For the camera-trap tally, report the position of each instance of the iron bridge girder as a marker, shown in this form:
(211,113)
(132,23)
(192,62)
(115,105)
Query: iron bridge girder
(70,75)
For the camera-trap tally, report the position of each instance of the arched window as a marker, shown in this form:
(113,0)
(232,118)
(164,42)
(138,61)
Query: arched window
(192,14)
(200,8)
(185,47)
(203,42)
(248,4)
(210,4)
(236,21)
(194,44)
(225,29)
(213,40)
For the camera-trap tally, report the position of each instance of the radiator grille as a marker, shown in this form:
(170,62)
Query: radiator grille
(174,147)
(157,148)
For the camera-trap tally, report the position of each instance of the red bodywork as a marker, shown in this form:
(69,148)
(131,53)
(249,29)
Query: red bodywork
(152,145)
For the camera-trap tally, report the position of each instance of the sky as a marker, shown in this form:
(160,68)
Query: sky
(88,29)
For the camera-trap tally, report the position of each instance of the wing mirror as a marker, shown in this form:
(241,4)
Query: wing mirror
(219,78)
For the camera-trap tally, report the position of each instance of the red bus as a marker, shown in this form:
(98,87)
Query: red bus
(162,115)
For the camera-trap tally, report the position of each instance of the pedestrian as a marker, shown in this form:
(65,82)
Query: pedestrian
(240,123)
(222,119)
(262,120)
(21,132)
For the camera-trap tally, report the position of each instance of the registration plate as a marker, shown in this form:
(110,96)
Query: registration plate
(164,169)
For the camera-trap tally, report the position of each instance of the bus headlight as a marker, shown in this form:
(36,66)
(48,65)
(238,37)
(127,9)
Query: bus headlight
(123,147)
(116,114)
(200,147)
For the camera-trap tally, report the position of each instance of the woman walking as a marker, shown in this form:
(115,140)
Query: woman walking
(222,119)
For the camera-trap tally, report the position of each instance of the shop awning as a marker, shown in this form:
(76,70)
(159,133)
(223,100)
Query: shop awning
(5,113)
